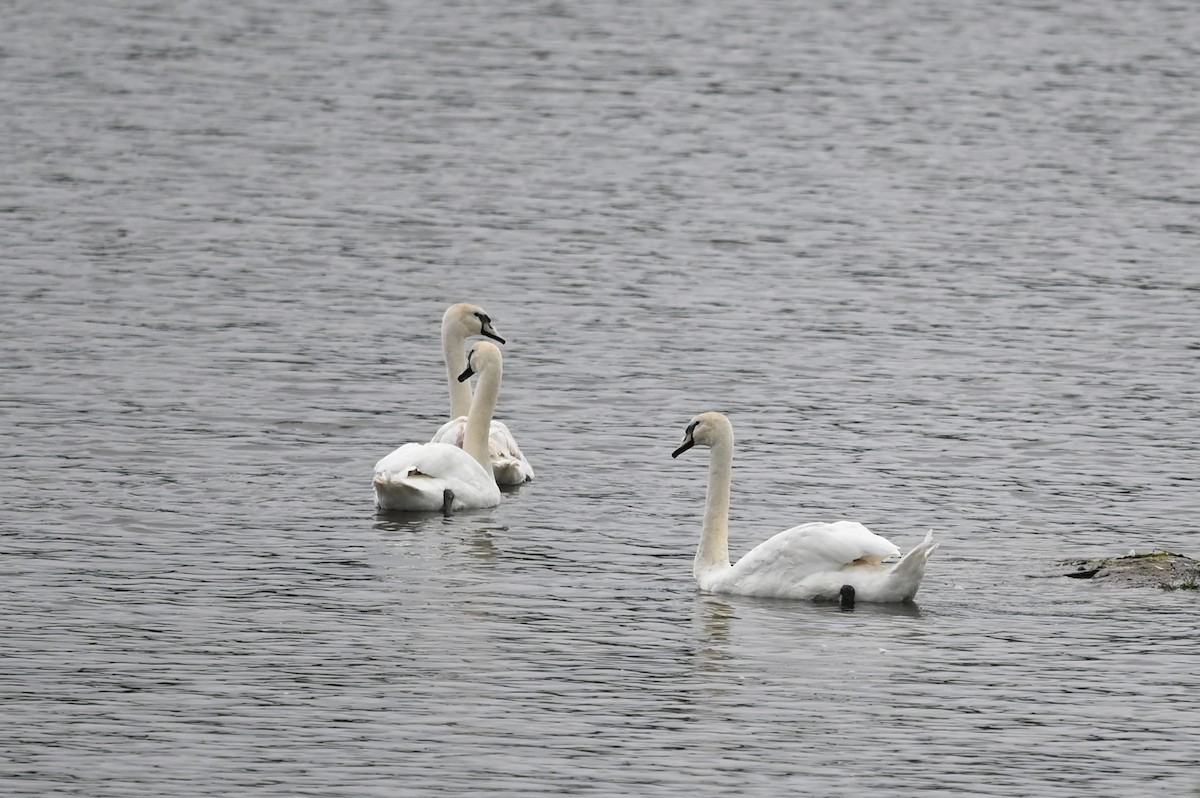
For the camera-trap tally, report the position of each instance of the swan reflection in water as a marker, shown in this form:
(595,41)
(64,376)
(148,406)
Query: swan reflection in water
(448,538)
(714,616)
(728,629)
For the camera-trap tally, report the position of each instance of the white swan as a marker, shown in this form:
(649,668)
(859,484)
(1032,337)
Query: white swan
(438,476)
(509,465)
(810,561)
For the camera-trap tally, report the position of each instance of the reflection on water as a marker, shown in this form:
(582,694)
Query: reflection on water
(907,610)
(416,523)
(715,616)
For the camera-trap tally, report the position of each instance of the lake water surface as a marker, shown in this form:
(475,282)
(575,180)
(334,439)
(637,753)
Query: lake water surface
(937,262)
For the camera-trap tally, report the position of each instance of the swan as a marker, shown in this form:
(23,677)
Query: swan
(810,561)
(460,321)
(437,476)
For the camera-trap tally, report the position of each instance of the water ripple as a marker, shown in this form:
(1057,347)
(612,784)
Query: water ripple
(937,265)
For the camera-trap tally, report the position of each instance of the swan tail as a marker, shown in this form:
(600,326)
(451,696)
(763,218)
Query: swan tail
(911,568)
(403,490)
(511,471)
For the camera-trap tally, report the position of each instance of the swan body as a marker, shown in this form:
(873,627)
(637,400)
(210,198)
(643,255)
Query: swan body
(811,561)
(459,322)
(509,466)
(416,476)
(424,477)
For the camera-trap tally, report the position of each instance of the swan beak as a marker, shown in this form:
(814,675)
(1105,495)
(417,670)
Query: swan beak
(487,329)
(466,375)
(689,439)
(688,443)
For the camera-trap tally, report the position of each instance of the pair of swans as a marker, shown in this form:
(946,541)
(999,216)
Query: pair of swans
(462,466)
(840,561)
(460,322)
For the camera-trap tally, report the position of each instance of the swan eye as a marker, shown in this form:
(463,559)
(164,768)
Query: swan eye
(484,319)
(691,428)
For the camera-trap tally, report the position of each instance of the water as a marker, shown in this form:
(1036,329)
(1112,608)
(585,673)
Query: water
(937,263)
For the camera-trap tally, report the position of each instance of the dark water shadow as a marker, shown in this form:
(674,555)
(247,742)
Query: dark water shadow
(399,521)
(902,609)
(393,521)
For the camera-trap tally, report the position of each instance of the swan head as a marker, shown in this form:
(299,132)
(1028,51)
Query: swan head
(470,320)
(483,356)
(705,430)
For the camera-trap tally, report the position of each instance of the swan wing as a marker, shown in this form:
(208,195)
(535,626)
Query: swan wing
(814,548)
(439,460)
(509,464)
(415,476)
(848,542)
(451,432)
(399,459)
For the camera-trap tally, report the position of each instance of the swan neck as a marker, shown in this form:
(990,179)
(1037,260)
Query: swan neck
(454,350)
(479,419)
(714,537)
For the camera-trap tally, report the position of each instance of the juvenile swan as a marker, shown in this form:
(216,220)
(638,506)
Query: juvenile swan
(459,322)
(438,476)
(810,561)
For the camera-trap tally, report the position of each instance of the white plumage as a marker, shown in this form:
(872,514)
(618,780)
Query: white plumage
(809,561)
(460,321)
(438,476)
(416,476)
(509,466)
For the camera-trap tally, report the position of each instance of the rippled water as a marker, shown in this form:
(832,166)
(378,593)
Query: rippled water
(936,261)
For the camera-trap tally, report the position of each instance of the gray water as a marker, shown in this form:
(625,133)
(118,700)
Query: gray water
(936,261)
